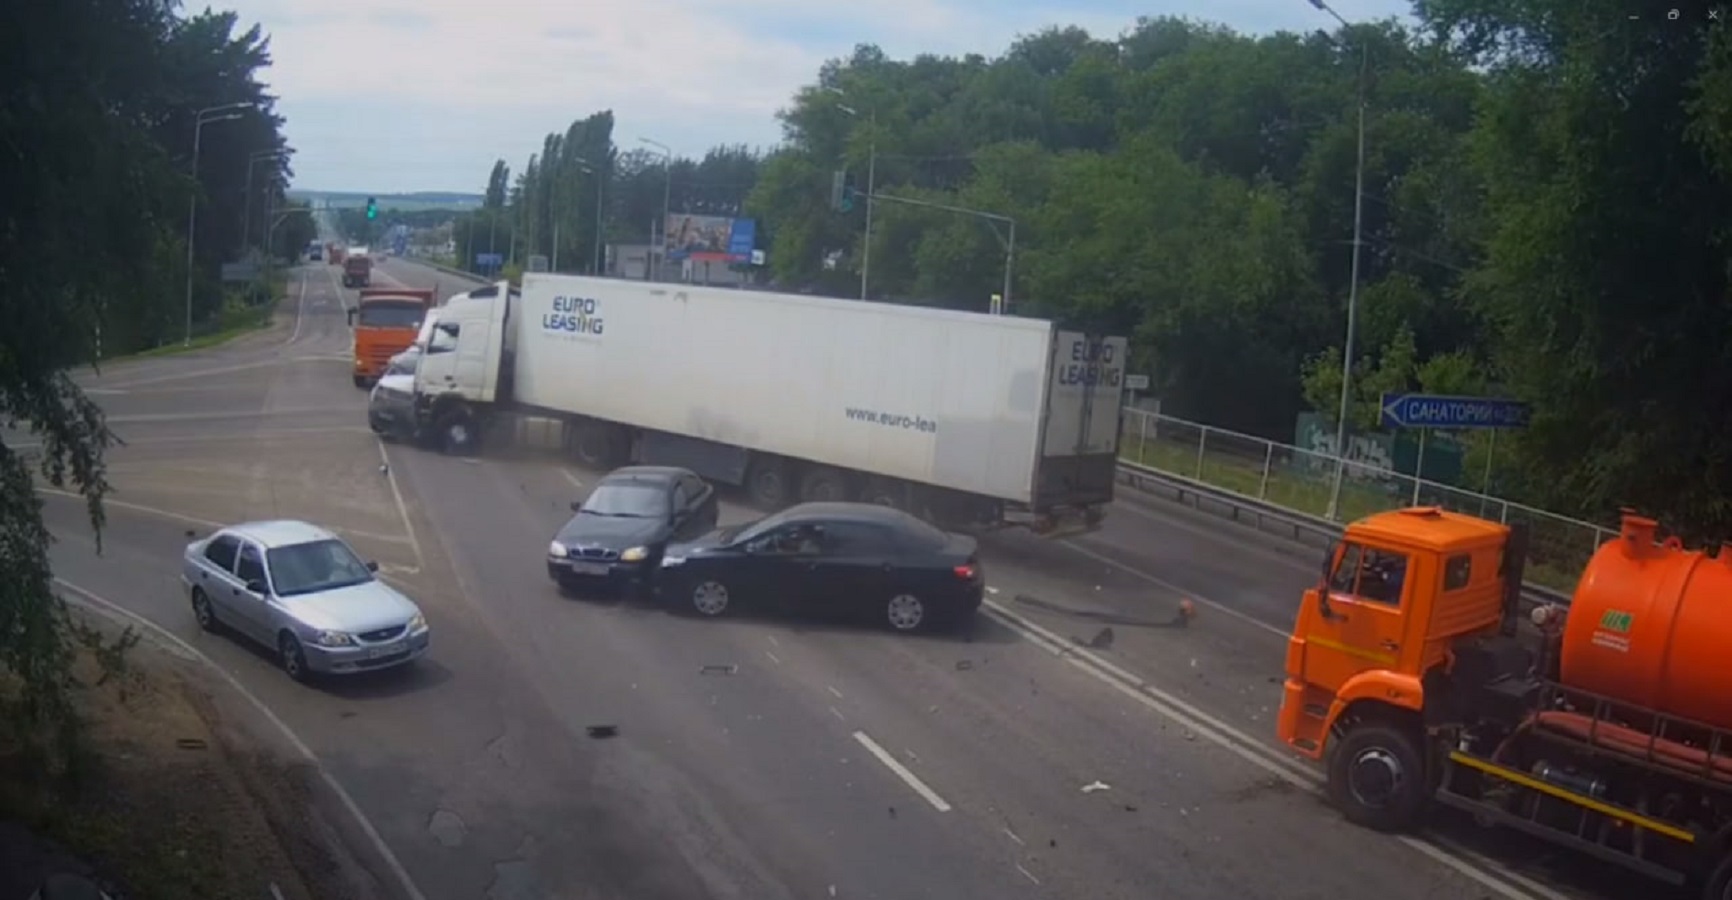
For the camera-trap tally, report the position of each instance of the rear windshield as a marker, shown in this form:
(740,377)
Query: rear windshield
(392,314)
(919,535)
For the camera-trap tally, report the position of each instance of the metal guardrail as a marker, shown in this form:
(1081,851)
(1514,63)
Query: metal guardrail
(1299,527)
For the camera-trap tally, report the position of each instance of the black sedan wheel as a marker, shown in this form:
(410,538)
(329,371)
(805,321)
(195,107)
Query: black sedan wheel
(905,612)
(710,598)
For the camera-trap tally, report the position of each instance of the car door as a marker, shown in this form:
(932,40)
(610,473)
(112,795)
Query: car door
(854,570)
(1367,588)
(778,568)
(252,607)
(216,576)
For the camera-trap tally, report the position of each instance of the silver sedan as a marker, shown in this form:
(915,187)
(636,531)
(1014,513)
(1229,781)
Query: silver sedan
(300,590)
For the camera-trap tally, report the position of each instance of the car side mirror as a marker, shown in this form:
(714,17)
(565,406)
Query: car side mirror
(372,565)
(576,505)
(256,587)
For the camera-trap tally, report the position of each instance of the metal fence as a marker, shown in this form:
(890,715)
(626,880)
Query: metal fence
(1301,480)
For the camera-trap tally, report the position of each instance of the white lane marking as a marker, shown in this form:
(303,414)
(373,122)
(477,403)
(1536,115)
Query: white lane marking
(575,481)
(1013,836)
(1027,874)
(1173,520)
(300,309)
(772,640)
(225,414)
(104,392)
(1167,585)
(1244,746)
(402,508)
(902,772)
(199,373)
(838,714)
(833,692)
(772,657)
(248,436)
(173,640)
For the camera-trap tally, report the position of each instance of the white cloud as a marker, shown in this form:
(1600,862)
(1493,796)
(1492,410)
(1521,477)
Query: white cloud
(387,95)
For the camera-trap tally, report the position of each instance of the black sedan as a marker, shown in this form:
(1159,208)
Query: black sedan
(616,536)
(842,557)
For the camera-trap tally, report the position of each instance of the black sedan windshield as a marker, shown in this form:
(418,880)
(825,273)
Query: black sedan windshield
(626,500)
(315,566)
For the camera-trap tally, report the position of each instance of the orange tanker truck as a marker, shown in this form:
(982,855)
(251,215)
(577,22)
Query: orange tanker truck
(1605,728)
(385,321)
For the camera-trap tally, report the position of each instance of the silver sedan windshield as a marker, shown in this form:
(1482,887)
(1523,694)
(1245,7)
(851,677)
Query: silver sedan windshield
(315,566)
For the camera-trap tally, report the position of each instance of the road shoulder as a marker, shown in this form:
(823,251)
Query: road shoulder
(182,798)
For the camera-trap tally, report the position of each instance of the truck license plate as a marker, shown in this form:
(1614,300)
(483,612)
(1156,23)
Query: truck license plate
(588,568)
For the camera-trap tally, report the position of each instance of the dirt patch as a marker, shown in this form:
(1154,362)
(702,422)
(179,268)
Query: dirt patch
(176,802)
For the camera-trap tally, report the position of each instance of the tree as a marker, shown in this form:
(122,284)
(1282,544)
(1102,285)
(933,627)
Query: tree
(96,124)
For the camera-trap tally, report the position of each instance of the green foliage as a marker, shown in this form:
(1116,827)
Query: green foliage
(98,119)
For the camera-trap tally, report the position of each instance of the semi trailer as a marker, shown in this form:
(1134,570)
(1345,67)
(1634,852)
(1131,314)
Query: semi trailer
(969,419)
(1604,727)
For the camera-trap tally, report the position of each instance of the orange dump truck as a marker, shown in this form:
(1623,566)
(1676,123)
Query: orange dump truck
(1605,727)
(385,322)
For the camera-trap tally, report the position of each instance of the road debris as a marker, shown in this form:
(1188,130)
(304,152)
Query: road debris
(1093,786)
(602,732)
(719,670)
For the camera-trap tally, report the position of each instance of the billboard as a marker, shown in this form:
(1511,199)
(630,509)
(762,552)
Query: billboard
(710,238)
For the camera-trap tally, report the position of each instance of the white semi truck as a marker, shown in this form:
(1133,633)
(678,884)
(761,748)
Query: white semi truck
(972,420)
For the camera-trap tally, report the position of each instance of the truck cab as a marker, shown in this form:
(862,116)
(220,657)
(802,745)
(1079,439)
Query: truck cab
(1394,598)
(386,321)
(357,270)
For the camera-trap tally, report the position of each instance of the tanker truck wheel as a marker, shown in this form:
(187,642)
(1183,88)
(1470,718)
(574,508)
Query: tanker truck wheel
(1719,883)
(1377,776)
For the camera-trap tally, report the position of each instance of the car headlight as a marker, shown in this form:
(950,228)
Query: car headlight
(333,639)
(418,622)
(556,549)
(633,554)
(672,560)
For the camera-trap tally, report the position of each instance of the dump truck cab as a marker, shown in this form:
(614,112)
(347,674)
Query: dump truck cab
(1395,597)
(386,322)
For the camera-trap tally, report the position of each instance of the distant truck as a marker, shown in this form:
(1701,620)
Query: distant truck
(335,253)
(357,270)
(972,420)
(386,321)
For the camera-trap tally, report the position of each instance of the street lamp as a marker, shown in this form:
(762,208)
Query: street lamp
(247,216)
(1353,285)
(667,190)
(590,168)
(871,185)
(205,116)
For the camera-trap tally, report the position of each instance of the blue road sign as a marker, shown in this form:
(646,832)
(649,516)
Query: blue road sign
(1437,411)
(490,260)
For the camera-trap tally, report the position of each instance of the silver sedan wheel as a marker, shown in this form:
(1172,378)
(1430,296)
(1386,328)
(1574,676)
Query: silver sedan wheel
(710,598)
(905,612)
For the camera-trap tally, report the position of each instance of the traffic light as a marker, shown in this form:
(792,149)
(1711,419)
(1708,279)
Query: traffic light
(372,208)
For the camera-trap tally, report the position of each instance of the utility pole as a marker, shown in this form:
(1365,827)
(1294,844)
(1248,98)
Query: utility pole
(205,117)
(871,184)
(594,171)
(1009,243)
(1342,413)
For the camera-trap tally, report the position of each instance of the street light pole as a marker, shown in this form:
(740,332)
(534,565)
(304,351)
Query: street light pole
(1009,244)
(593,170)
(871,185)
(247,214)
(667,195)
(1342,413)
(205,117)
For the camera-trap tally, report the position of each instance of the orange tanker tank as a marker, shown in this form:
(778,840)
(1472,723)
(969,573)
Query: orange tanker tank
(1651,624)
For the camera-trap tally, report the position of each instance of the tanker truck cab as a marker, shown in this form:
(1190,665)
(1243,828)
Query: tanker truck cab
(1414,677)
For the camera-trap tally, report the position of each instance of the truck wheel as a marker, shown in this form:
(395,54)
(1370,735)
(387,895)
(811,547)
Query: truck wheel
(456,433)
(597,446)
(822,484)
(1719,883)
(884,492)
(361,382)
(1377,777)
(767,483)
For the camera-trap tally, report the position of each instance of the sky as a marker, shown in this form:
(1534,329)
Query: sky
(393,96)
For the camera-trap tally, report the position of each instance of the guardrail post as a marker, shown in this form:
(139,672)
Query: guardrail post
(1202,442)
(1268,461)
(1143,436)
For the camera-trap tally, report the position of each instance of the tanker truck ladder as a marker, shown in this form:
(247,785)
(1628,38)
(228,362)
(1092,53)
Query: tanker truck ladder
(1577,802)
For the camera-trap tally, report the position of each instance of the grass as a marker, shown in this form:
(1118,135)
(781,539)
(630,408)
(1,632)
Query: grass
(236,319)
(1559,547)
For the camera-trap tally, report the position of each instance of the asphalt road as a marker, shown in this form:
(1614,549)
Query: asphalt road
(753,758)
